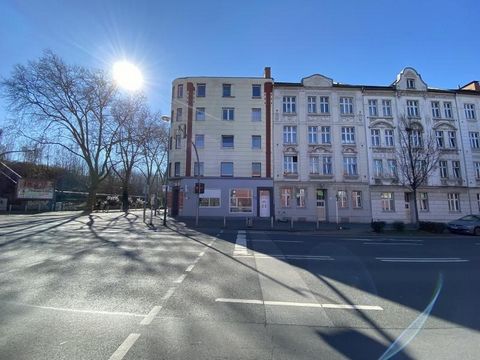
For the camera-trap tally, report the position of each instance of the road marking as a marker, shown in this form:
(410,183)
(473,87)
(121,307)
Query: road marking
(96,312)
(180,279)
(240,244)
(201,254)
(381,239)
(392,244)
(423,260)
(151,315)
(168,294)
(280,241)
(298,304)
(126,345)
(197,259)
(190,268)
(293,257)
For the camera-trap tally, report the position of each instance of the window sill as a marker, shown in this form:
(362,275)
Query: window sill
(351,177)
(320,176)
(256,97)
(290,175)
(228,96)
(289,114)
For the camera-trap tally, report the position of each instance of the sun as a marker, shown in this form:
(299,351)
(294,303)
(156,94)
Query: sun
(127,75)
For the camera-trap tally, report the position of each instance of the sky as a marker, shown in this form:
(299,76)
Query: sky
(354,42)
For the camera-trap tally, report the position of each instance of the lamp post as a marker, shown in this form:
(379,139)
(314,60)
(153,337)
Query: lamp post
(198,184)
(165,207)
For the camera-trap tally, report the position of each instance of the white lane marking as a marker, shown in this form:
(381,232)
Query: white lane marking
(242,232)
(96,312)
(392,244)
(168,294)
(190,268)
(197,259)
(180,279)
(151,315)
(240,245)
(423,260)
(126,345)
(297,304)
(293,257)
(201,254)
(382,240)
(280,241)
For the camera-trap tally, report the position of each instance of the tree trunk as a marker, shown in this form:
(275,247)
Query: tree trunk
(125,204)
(92,195)
(415,208)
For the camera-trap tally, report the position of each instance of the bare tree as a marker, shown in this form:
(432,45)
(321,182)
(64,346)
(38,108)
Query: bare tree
(67,106)
(130,114)
(417,156)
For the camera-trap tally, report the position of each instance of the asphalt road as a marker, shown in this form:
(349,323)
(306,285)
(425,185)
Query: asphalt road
(108,287)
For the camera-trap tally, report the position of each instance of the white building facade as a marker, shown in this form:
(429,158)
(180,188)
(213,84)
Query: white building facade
(227,122)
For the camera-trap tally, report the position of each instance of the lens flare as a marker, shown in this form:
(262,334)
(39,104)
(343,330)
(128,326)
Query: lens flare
(127,75)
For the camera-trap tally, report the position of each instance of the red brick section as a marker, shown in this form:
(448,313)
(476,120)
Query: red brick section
(188,165)
(267,88)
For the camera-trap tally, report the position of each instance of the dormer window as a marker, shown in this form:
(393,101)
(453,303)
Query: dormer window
(410,83)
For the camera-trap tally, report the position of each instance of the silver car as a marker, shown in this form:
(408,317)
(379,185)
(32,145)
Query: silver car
(469,224)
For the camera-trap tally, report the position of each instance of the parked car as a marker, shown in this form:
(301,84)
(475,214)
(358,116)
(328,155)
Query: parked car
(469,224)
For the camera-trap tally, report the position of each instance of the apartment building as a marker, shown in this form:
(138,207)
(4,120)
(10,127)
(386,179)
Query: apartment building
(226,121)
(335,149)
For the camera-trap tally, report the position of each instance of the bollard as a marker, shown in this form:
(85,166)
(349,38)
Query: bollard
(10,208)
(224,221)
(318,224)
(291,223)
(26,207)
(271,222)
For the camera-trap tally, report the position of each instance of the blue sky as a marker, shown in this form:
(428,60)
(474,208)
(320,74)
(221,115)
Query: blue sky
(356,42)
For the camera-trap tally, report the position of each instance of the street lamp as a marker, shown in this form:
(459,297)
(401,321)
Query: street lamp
(165,208)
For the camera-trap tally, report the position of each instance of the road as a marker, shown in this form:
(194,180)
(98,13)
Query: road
(108,287)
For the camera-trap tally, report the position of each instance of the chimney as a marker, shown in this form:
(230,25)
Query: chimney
(472,85)
(267,73)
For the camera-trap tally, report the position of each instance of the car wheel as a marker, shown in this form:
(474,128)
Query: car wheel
(476,231)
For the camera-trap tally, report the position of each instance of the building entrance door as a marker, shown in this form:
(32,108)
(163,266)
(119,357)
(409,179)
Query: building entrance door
(175,200)
(264,203)
(321,196)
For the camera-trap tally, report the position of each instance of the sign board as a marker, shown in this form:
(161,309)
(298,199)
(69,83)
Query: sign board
(35,189)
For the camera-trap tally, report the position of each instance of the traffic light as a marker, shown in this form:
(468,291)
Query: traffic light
(199,188)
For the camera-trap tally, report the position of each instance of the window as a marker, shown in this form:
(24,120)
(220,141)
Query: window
(436,109)
(439,139)
(227,90)
(350,166)
(256,114)
(476,164)
(372,107)
(241,201)
(300,195)
(314,164)
(210,198)
(375,134)
(442,165)
(200,114)
(256,142)
(179,114)
(387,107)
(290,164)
(169,169)
(178,141)
(198,169)
(228,114)
(312,135)
(348,135)
(342,199)
(200,141)
(392,168)
(226,169)
(452,139)
(312,104)
(227,141)
(416,138)
(256,90)
(457,174)
(469,111)
(286,197)
(327,165)
(453,202)
(289,104)
(447,110)
(289,134)
(423,201)
(320,194)
(346,106)
(387,201)
(474,143)
(356,199)
(176,170)
(478,201)
(179,91)
(201,90)
(324,107)
(389,137)
(325,134)
(170,142)
(378,168)
(412,108)
(410,83)
(256,169)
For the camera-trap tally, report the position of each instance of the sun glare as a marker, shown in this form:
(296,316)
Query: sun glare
(127,75)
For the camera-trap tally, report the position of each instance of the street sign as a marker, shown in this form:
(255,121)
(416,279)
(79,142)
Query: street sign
(199,188)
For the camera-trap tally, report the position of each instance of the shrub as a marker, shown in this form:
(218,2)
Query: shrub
(433,227)
(378,226)
(398,225)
